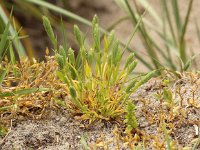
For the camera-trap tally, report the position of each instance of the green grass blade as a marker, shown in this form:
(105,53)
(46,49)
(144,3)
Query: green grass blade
(64,35)
(4,40)
(182,40)
(2,76)
(23,92)
(122,4)
(11,38)
(196,145)
(140,58)
(168,52)
(145,37)
(116,23)
(166,57)
(176,11)
(12,59)
(12,55)
(167,137)
(60,10)
(146,78)
(197,30)
(134,31)
(6,107)
(188,63)
(33,10)
(169,21)
(151,11)
(20,49)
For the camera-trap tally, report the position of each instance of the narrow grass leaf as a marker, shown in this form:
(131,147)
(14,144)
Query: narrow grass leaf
(176,11)
(169,20)
(132,66)
(64,35)
(6,107)
(197,30)
(2,76)
(144,80)
(151,11)
(62,77)
(4,40)
(23,92)
(12,55)
(167,138)
(129,60)
(60,10)
(145,36)
(74,97)
(184,28)
(17,43)
(60,102)
(188,64)
(130,85)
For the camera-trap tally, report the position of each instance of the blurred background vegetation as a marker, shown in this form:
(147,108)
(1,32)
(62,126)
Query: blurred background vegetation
(168,36)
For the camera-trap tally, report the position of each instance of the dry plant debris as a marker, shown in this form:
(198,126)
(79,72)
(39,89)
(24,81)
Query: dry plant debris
(28,88)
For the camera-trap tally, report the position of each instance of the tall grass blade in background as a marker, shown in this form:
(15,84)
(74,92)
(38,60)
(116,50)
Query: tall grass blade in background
(60,10)
(145,37)
(18,45)
(182,48)
(4,40)
(171,35)
(197,30)
(177,15)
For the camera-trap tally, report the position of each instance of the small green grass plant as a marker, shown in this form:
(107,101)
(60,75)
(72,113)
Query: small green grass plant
(130,118)
(97,84)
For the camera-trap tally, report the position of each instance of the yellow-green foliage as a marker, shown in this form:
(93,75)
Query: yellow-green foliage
(95,79)
(130,118)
